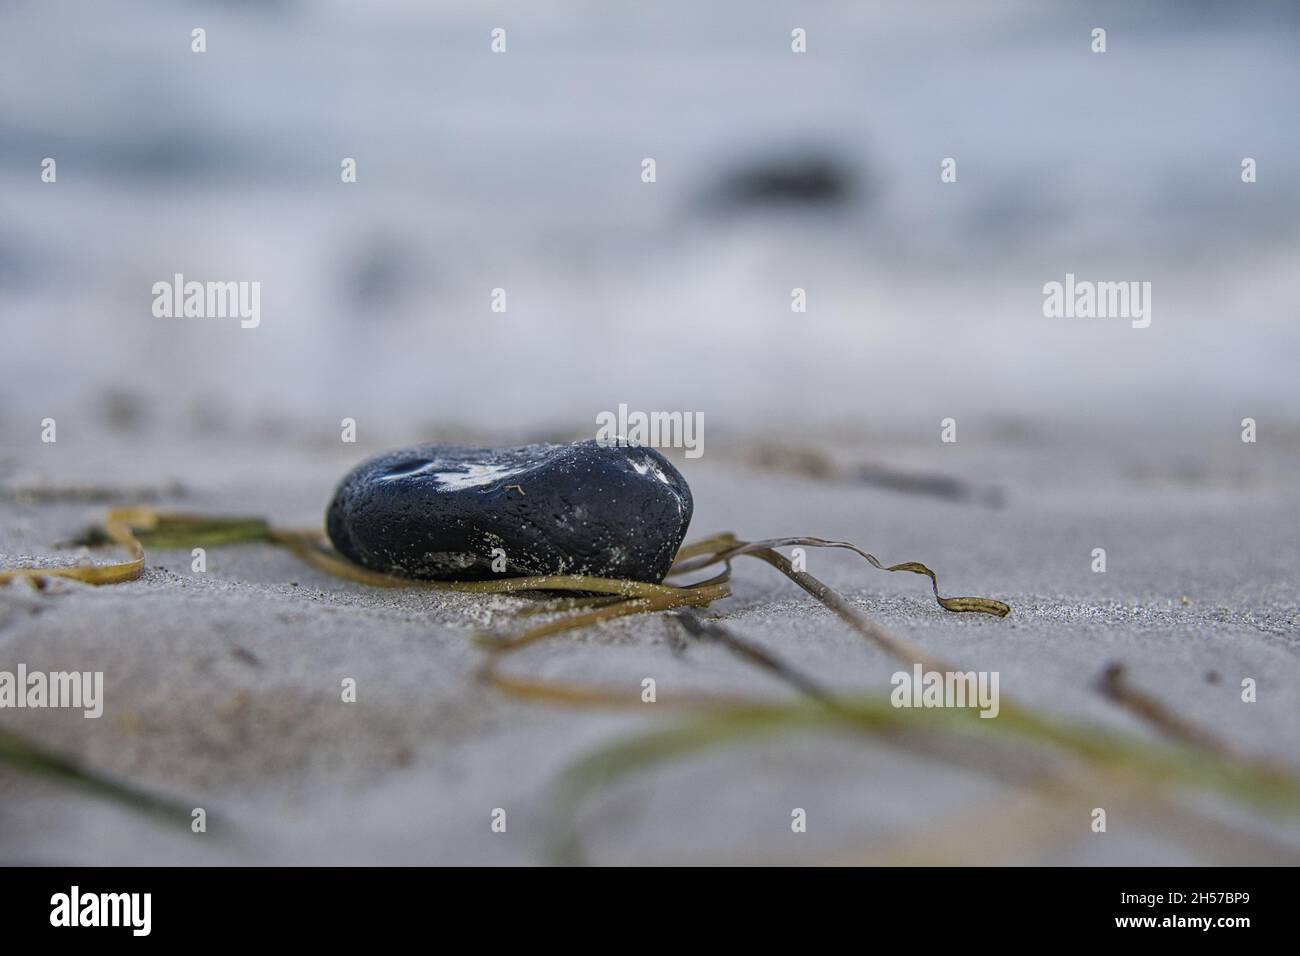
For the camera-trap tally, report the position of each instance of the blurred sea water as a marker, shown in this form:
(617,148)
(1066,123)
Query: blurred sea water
(522,171)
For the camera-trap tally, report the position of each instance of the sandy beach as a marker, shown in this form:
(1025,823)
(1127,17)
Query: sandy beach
(844,246)
(222,689)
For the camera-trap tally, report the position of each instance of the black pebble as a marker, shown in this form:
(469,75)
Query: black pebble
(438,511)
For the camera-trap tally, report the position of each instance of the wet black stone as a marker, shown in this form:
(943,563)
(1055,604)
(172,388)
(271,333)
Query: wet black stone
(438,511)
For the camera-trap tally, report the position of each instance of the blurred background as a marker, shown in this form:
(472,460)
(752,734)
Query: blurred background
(774,171)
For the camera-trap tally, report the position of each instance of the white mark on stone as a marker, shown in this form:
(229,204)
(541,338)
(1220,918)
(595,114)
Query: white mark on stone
(463,476)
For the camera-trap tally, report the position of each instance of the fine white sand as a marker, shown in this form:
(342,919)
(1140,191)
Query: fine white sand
(223,689)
